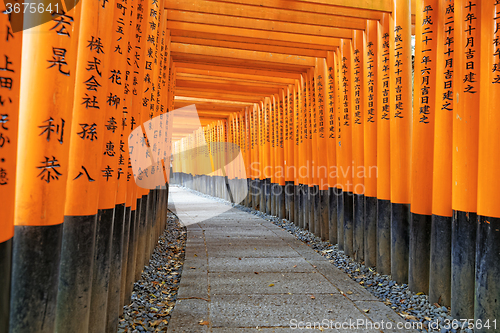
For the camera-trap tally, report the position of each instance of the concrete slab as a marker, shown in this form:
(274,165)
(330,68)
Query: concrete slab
(280,310)
(269,283)
(261,265)
(251,251)
(187,315)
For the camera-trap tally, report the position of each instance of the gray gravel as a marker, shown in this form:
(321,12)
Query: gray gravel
(411,306)
(154,295)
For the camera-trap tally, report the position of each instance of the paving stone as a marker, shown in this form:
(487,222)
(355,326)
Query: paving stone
(386,318)
(261,265)
(187,316)
(269,283)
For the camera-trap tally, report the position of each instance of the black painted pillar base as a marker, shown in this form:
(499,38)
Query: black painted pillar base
(313,221)
(463,259)
(142,205)
(305,208)
(358,238)
(332,215)
(131,256)
(324,203)
(272,195)
(296,200)
(289,201)
(370,231)
(400,242)
(487,300)
(75,274)
(100,272)
(115,275)
(262,195)
(35,276)
(384,236)
(282,212)
(420,253)
(268,196)
(125,258)
(340,219)
(440,267)
(316,211)
(300,206)
(5,273)
(348,223)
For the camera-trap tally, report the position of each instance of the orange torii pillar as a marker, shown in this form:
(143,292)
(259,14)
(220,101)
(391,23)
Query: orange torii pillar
(330,86)
(345,142)
(10,75)
(315,194)
(338,147)
(273,135)
(296,153)
(401,110)
(466,90)
(280,157)
(246,140)
(300,89)
(82,191)
(289,154)
(384,84)
(423,145)
(261,151)
(322,147)
(487,307)
(254,161)
(370,119)
(42,167)
(440,268)
(306,161)
(357,118)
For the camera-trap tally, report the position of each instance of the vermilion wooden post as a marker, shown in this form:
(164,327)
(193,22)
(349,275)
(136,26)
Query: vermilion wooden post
(322,148)
(440,268)
(280,160)
(486,305)
(290,154)
(302,170)
(46,105)
(424,98)
(314,114)
(85,134)
(384,80)
(121,228)
(296,153)
(358,121)
(110,96)
(338,145)
(401,107)
(371,113)
(345,141)
(466,90)
(331,129)
(11,45)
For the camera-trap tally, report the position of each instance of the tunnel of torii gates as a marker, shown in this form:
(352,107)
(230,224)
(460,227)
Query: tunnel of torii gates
(328,130)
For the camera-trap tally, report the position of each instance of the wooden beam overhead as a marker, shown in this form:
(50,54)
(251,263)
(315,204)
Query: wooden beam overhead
(242,54)
(239,70)
(217,95)
(239,89)
(200,106)
(243,32)
(252,40)
(219,80)
(301,6)
(233,76)
(251,47)
(210,101)
(269,14)
(264,25)
(238,64)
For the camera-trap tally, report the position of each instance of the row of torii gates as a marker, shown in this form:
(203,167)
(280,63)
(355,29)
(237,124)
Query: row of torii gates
(307,110)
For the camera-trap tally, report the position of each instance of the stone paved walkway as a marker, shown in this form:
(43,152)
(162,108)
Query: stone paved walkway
(244,274)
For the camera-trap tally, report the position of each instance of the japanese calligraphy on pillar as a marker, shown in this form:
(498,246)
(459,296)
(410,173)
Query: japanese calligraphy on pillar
(370,82)
(331,102)
(427,67)
(357,86)
(471,77)
(321,106)
(345,91)
(385,114)
(447,103)
(10,71)
(398,71)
